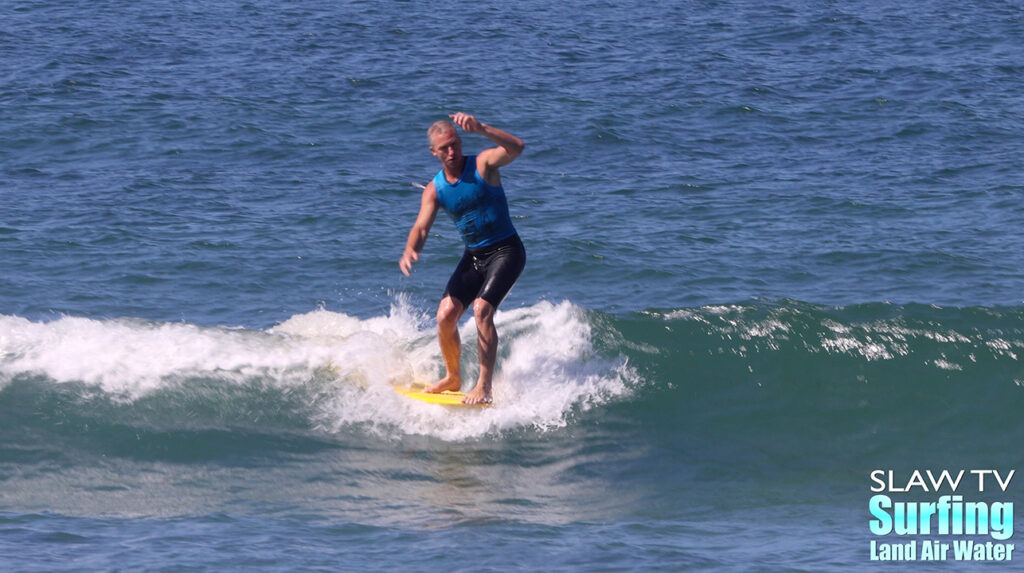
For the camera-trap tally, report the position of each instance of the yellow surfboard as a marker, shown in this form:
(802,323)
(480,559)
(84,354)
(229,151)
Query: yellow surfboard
(446,398)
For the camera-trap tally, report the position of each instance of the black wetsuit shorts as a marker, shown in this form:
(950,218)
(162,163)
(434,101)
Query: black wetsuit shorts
(487,272)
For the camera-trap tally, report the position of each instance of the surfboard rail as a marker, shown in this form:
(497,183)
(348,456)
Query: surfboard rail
(446,398)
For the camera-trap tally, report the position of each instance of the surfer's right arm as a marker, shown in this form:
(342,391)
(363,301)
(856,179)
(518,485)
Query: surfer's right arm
(418,233)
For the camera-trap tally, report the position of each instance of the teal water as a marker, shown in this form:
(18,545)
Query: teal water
(772,248)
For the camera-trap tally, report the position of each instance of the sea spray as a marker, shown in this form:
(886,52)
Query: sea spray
(547,368)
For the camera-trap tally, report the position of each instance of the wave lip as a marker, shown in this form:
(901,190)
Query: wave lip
(884,381)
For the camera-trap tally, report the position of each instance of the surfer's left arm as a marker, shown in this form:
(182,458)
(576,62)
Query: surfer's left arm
(489,160)
(420,229)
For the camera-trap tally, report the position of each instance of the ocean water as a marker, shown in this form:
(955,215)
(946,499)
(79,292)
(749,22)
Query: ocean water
(773,248)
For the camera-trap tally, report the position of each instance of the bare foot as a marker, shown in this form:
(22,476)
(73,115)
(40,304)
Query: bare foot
(477,396)
(447,383)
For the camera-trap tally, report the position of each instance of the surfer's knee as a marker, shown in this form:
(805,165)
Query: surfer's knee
(483,311)
(449,311)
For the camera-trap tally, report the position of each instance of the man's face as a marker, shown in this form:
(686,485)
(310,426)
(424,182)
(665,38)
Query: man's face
(447,147)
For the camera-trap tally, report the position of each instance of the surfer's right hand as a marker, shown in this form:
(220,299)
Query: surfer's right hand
(408,258)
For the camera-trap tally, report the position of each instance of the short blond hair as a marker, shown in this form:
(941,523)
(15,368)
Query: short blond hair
(438,127)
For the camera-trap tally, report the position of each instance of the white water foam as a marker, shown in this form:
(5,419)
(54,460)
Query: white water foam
(547,365)
(547,368)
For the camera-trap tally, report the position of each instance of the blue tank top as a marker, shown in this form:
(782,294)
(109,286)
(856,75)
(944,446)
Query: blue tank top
(479,210)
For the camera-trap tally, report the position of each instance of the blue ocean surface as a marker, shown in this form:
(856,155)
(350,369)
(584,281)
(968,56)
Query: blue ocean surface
(772,248)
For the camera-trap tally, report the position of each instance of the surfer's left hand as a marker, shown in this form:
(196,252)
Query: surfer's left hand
(467,122)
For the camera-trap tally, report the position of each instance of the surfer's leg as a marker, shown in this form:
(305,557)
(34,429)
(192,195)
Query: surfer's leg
(502,267)
(487,348)
(448,313)
(457,296)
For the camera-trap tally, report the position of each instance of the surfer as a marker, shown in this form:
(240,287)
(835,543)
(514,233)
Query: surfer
(469,188)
